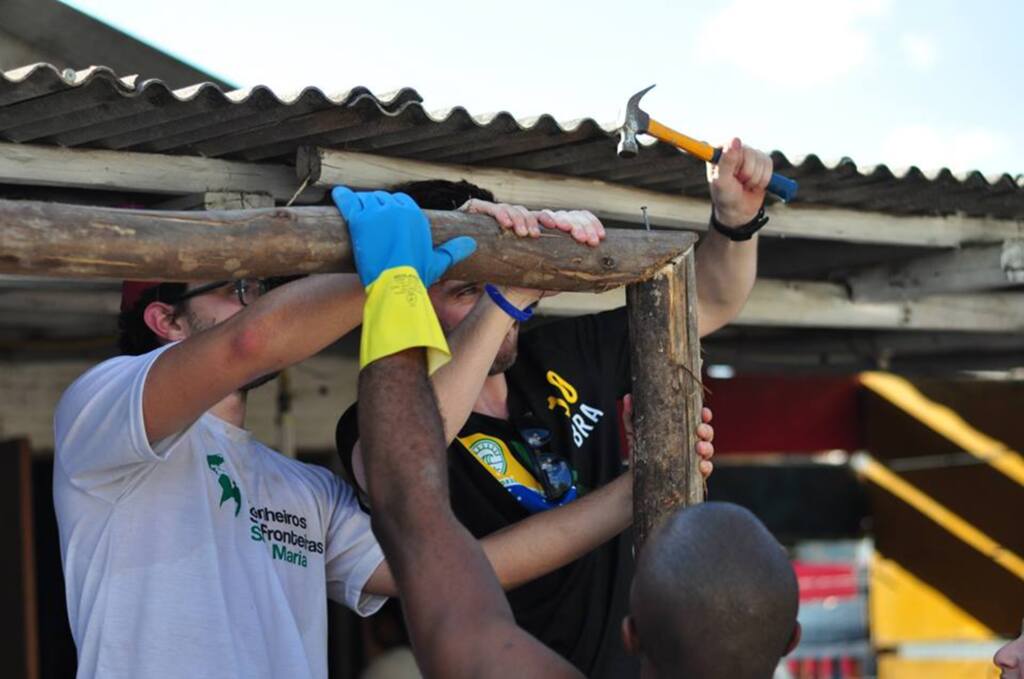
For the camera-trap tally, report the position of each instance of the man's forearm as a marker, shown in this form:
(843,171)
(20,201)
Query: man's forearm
(726,271)
(285,326)
(299,319)
(445,581)
(544,542)
(474,345)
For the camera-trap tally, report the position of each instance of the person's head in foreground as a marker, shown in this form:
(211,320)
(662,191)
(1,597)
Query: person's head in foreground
(1010,658)
(714,595)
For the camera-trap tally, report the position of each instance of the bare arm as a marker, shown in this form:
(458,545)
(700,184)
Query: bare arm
(459,620)
(474,345)
(284,327)
(726,269)
(544,542)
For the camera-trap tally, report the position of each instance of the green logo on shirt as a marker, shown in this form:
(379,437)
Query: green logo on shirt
(228,488)
(490,453)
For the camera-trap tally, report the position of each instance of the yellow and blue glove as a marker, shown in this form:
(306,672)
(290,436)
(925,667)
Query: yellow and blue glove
(396,260)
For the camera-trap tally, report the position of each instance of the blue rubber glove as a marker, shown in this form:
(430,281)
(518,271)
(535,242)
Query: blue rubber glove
(389,230)
(396,260)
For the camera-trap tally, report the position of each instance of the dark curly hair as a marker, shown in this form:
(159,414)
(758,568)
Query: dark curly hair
(440,194)
(134,336)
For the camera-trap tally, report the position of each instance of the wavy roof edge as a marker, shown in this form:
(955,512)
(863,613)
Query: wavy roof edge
(42,79)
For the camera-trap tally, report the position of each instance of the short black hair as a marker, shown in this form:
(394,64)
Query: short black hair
(440,194)
(714,595)
(134,336)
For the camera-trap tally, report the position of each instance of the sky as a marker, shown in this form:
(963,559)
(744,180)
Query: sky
(930,83)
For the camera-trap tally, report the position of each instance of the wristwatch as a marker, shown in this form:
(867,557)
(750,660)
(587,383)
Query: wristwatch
(743,232)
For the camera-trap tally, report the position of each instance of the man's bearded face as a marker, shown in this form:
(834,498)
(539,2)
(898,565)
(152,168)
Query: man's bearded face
(453,300)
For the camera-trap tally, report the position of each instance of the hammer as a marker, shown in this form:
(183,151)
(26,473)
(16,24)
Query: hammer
(639,122)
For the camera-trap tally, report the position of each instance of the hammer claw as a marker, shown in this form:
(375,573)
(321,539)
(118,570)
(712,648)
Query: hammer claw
(634,123)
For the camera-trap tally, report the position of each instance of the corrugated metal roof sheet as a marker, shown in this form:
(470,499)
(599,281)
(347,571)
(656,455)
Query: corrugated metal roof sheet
(96,109)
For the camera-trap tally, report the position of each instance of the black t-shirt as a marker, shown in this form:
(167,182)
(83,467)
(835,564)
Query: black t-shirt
(568,378)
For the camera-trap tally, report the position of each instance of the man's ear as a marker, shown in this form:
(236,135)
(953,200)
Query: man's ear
(630,639)
(165,324)
(794,640)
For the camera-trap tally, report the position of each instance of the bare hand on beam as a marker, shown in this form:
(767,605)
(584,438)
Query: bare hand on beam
(53,239)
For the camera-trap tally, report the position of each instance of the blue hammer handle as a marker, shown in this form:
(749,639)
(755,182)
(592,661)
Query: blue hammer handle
(783,187)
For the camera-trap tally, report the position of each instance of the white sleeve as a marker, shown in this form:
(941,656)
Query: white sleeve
(352,553)
(99,434)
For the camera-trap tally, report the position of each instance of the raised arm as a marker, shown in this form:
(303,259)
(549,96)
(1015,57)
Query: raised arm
(281,328)
(726,268)
(458,618)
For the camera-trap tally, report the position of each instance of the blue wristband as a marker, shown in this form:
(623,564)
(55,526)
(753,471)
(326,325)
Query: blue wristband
(507,306)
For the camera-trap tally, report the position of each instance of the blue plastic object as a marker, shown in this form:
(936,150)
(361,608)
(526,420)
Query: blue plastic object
(783,187)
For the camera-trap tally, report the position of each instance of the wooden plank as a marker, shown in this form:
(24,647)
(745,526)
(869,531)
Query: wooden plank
(667,394)
(533,189)
(807,304)
(622,203)
(828,305)
(967,270)
(25,164)
(19,644)
(86,242)
(219,200)
(46,303)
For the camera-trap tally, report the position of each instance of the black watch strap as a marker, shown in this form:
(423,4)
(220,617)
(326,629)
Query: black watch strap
(740,233)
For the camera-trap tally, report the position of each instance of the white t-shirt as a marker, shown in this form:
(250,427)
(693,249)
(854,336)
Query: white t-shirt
(206,555)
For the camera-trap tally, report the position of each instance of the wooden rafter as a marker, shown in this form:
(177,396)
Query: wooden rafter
(325,167)
(970,269)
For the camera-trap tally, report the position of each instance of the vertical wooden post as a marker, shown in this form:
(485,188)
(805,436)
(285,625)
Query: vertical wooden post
(19,644)
(667,394)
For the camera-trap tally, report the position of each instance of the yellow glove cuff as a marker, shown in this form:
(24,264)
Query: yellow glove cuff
(398,316)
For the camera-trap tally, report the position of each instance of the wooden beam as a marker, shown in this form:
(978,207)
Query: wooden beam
(20,642)
(47,303)
(25,164)
(667,394)
(218,200)
(967,270)
(326,167)
(51,239)
(809,304)
(828,305)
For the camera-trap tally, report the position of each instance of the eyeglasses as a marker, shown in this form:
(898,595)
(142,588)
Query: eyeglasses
(247,289)
(553,471)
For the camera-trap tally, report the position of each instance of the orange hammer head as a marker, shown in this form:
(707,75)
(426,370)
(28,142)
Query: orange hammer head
(635,123)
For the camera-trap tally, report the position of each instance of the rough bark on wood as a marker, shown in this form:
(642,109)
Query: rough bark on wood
(87,242)
(666,394)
